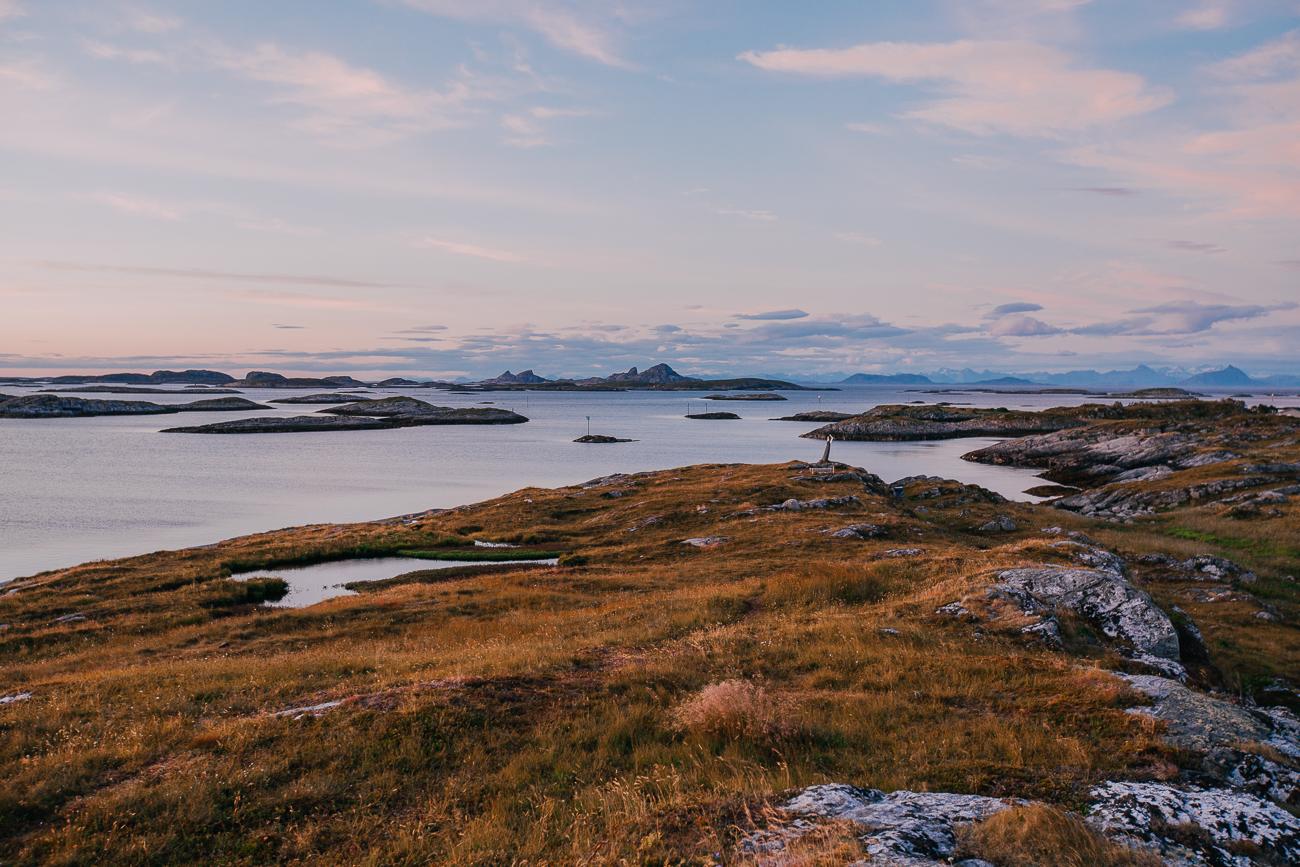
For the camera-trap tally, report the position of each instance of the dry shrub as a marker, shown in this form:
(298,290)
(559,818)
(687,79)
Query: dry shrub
(737,709)
(1037,834)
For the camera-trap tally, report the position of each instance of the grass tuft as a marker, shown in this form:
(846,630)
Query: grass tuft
(738,710)
(1036,834)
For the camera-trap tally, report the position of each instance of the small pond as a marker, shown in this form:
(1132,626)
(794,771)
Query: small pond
(311,584)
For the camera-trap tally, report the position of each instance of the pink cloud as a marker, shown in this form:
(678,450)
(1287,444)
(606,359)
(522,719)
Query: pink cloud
(475,251)
(1020,88)
(584,32)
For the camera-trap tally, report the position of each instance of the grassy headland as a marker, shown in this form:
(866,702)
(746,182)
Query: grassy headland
(575,714)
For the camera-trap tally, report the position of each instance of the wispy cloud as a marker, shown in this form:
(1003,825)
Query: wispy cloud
(299,299)
(586,29)
(353,104)
(1195,246)
(1206,15)
(154,23)
(1014,307)
(793,313)
(748,214)
(422,329)
(1021,88)
(1190,317)
(220,276)
(1277,56)
(462,248)
(27,73)
(1108,191)
(1244,168)
(107,51)
(136,206)
(1019,325)
(857,239)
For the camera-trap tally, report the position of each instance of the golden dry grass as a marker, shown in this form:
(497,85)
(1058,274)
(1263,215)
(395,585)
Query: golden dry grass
(1036,835)
(738,709)
(527,717)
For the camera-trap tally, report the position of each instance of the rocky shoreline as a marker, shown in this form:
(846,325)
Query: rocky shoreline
(759,396)
(897,422)
(1189,453)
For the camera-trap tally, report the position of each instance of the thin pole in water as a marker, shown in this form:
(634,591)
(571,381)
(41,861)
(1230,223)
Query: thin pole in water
(588,425)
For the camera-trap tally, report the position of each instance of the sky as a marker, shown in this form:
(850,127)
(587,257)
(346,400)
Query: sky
(451,188)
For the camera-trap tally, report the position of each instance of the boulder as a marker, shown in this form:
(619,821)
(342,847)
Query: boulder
(899,828)
(1000,524)
(1200,722)
(705,541)
(1189,825)
(860,531)
(1117,608)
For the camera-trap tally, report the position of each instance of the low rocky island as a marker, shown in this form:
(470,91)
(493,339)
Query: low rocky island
(60,406)
(132,389)
(816,415)
(712,416)
(407,411)
(285,424)
(767,395)
(381,414)
(1157,394)
(900,422)
(331,398)
(601,439)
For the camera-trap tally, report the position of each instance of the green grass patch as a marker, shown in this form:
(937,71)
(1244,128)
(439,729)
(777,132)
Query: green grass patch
(1258,547)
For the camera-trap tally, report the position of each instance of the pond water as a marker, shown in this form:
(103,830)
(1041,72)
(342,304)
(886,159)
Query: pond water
(311,584)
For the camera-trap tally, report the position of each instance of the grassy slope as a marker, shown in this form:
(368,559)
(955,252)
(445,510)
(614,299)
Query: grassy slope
(504,716)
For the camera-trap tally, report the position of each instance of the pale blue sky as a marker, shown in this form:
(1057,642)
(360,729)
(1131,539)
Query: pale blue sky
(448,188)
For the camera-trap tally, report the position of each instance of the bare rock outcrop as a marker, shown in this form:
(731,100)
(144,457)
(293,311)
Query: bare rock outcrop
(902,828)
(1192,826)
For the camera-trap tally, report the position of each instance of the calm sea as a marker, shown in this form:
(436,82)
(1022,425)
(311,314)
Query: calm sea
(73,490)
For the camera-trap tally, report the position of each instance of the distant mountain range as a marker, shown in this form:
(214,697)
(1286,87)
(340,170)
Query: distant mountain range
(1141,376)
(663,377)
(658,377)
(886,379)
